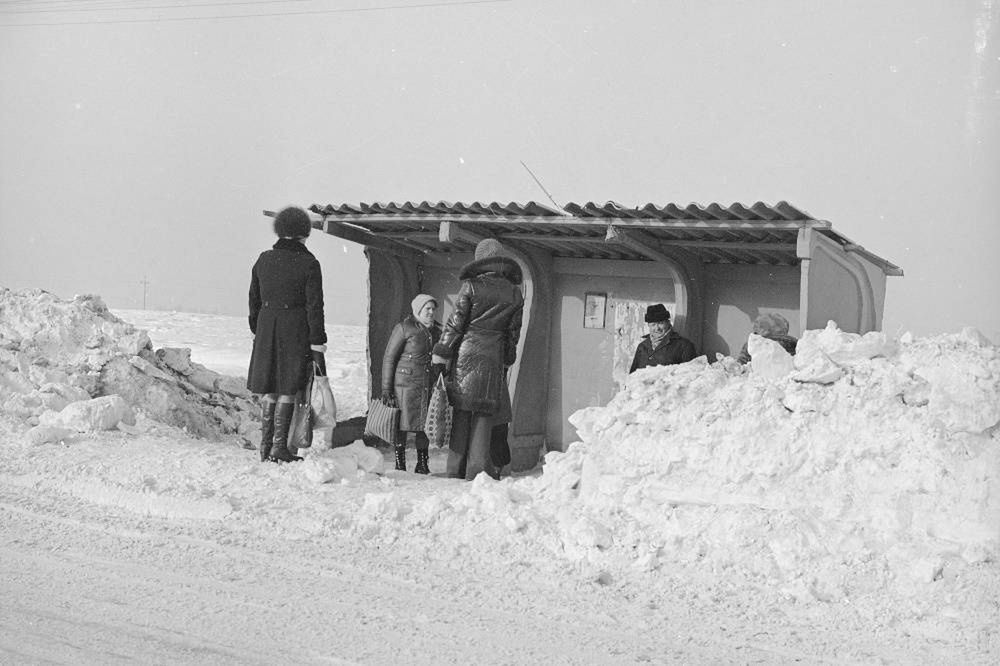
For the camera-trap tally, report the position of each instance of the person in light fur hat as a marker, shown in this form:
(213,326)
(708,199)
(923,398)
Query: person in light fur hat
(480,341)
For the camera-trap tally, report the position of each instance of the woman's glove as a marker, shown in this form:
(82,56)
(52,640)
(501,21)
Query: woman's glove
(439,366)
(389,399)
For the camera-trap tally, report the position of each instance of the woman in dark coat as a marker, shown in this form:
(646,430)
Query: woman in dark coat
(286,318)
(407,379)
(481,337)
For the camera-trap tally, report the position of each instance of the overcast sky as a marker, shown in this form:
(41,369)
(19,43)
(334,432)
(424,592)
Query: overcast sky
(142,140)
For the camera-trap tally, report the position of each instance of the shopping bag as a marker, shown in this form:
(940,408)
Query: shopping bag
(324,412)
(300,430)
(382,421)
(437,425)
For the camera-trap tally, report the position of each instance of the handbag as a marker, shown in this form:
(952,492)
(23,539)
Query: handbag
(382,421)
(437,425)
(324,411)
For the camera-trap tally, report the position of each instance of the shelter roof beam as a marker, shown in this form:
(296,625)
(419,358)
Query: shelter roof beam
(358,235)
(580,222)
(452,232)
(637,242)
(723,245)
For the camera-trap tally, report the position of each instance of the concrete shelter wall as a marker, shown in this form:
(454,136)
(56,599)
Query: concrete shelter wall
(834,293)
(581,360)
(392,284)
(734,295)
(876,280)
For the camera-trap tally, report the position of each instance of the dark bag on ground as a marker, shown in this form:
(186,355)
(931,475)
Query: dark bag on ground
(437,425)
(382,421)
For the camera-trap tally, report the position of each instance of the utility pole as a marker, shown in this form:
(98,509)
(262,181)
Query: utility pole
(145,283)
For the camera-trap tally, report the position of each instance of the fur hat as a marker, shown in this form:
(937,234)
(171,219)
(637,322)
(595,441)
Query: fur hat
(770,323)
(292,222)
(419,302)
(657,313)
(489,247)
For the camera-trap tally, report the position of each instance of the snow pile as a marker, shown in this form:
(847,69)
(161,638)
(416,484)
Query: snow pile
(342,463)
(72,366)
(858,464)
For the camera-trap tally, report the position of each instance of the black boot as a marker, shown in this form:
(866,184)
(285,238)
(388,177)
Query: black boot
(266,428)
(400,457)
(282,422)
(423,457)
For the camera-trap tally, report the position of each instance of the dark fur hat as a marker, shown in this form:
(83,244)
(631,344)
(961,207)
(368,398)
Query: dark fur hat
(657,313)
(292,222)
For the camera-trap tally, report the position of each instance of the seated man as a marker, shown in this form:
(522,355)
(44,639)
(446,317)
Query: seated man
(663,345)
(773,327)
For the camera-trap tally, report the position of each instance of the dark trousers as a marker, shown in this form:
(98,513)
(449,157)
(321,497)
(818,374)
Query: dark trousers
(469,450)
(420,441)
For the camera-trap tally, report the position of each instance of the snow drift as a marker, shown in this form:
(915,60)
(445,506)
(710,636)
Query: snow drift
(61,363)
(860,454)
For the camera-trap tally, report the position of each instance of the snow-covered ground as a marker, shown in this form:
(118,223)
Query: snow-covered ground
(839,507)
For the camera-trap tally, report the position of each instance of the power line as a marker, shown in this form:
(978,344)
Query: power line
(172,19)
(120,8)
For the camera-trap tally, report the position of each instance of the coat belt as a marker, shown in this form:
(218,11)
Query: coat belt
(268,305)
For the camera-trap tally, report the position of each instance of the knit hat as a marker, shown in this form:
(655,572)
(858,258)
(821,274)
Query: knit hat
(657,313)
(292,222)
(419,302)
(489,247)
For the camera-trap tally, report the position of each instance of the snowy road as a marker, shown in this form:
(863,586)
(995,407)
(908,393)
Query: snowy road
(86,585)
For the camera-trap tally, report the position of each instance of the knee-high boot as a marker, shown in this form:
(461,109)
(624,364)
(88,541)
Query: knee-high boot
(400,447)
(282,422)
(266,428)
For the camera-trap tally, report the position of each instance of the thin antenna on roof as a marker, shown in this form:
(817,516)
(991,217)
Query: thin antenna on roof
(540,185)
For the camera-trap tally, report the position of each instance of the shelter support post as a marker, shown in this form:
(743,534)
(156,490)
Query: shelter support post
(803,250)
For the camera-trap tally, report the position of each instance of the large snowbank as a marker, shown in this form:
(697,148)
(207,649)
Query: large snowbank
(72,366)
(868,455)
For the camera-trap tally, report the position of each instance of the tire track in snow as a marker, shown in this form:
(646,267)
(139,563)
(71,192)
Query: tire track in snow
(118,566)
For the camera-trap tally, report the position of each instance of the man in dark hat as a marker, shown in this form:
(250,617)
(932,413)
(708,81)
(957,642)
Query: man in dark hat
(663,345)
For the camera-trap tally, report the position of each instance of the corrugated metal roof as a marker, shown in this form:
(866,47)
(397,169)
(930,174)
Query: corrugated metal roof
(493,208)
(759,211)
(736,234)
